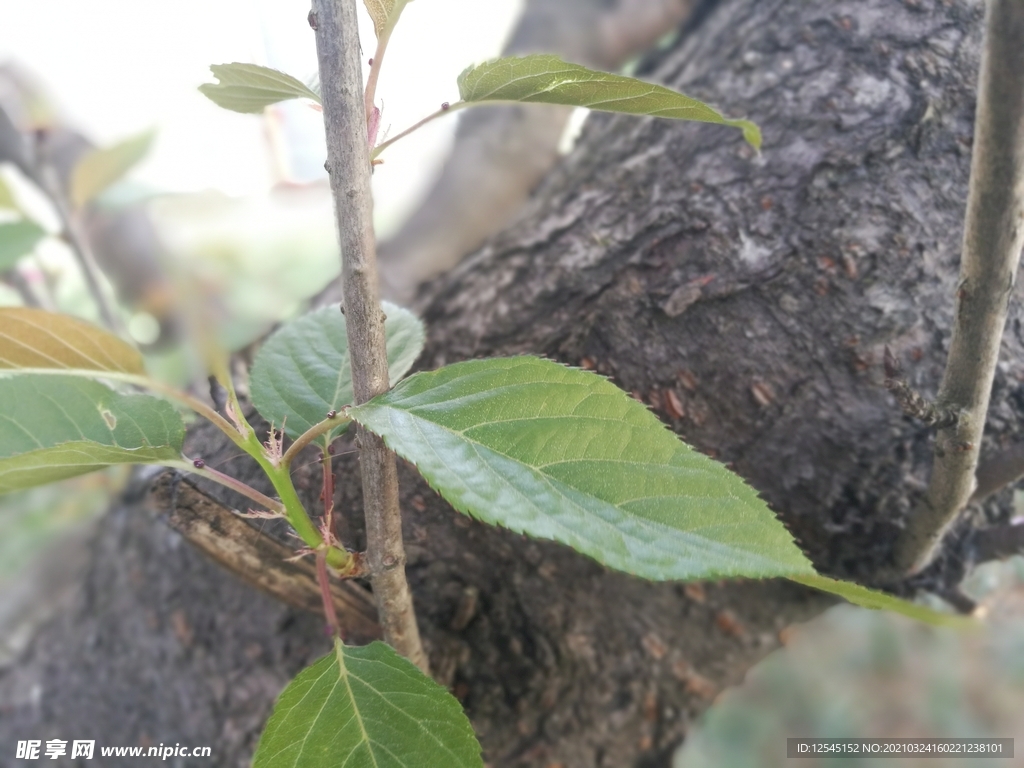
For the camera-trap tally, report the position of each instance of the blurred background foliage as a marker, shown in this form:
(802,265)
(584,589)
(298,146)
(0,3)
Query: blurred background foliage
(857,673)
(237,216)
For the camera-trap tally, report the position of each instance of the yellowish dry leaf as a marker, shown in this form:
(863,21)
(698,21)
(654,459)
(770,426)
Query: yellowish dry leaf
(33,338)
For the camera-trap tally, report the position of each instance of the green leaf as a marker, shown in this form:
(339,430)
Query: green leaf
(17,239)
(549,80)
(100,168)
(251,88)
(34,340)
(563,454)
(379,11)
(303,370)
(879,601)
(53,427)
(366,708)
(384,13)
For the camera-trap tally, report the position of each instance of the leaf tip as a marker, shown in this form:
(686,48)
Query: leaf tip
(751,132)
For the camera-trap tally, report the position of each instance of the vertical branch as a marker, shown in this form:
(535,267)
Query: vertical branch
(348,162)
(993,238)
(72,235)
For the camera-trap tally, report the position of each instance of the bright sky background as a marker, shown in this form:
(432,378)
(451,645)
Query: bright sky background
(118,67)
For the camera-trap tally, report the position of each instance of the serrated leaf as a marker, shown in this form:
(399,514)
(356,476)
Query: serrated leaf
(549,80)
(303,370)
(250,88)
(17,239)
(563,454)
(54,427)
(879,601)
(38,340)
(100,168)
(366,708)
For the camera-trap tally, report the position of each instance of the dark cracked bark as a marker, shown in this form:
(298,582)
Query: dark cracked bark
(746,298)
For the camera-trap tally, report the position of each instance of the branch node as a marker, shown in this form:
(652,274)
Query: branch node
(911,402)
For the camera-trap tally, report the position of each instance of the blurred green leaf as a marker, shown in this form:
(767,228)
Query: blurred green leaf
(100,168)
(53,427)
(7,197)
(563,454)
(303,370)
(250,88)
(549,80)
(17,239)
(38,340)
(366,708)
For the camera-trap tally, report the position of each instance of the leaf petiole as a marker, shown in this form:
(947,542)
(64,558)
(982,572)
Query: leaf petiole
(444,110)
(319,429)
(197,467)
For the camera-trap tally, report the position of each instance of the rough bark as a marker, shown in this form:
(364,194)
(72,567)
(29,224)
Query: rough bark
(746,298)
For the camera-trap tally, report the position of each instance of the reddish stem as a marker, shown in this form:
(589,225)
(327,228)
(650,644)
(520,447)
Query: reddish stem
(325,460)
(325,594)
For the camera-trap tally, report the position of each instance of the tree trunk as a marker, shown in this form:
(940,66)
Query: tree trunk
(746,298)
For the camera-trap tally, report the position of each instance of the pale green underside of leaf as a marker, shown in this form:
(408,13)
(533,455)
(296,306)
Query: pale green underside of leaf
(101,167)
(54,427)
(549,80)
(17,239)
(563,454)
(366,708)
(869,598)
(250,88)
(303,370)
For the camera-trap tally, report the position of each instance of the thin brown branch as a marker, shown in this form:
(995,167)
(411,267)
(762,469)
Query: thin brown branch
(72,235)
(324,582)
(348,162)
(993,238)
(258,559)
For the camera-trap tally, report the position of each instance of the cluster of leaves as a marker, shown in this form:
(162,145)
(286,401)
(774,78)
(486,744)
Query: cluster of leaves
(524,443)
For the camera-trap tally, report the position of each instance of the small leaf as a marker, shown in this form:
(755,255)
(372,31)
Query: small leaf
(17,239)
(54,427)
(879,601)
(251,88)
(379,11)
(100,168)
(563,454)
(366,708)
(548,79)
(384,13)
(38,340)
(303,371)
